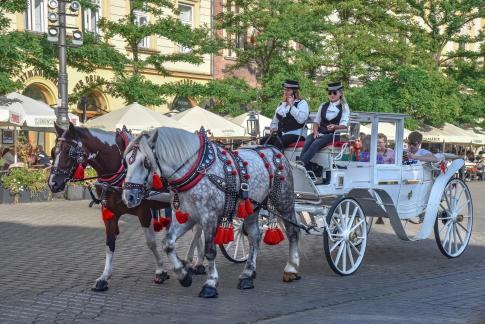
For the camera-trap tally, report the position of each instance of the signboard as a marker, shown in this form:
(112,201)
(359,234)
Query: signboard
(7,136)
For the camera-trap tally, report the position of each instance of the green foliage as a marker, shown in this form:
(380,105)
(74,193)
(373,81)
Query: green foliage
(428,97)
(22,179)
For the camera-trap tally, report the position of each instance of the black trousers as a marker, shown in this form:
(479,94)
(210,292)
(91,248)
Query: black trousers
(281,142)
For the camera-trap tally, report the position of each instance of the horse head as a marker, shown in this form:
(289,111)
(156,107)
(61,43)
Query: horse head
(67,155)
(140,161)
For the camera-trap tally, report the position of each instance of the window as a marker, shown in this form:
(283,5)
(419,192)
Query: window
(35,16)
(141,19)
(236,39)
(186,17)
(91,17)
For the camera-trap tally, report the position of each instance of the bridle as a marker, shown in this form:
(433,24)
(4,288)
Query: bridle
(76,153)
(143,187)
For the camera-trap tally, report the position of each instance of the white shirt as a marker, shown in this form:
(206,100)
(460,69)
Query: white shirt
(300,113)
(333,111)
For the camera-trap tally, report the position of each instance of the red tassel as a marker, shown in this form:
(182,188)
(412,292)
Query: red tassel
(235,152)
(219,237)
(165,221)
(228,234)
(233,172)
(79,173)
(279,156)
(223,152)
(273,236)
(245,163)
(106,214)
(261,154)
(247,176)
(181,216)
(157,226)
(280,167)
(249,207)
(266,165)
(241,210)
(228,162)
(157,183)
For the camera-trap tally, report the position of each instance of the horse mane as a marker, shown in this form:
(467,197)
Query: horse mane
(173,146)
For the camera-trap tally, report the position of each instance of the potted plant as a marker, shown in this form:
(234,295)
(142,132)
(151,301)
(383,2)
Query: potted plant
(25,185)
(78,190)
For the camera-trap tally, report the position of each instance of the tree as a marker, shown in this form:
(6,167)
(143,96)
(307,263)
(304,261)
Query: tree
(19,50)
(279,45)
(128,67)
(428,96)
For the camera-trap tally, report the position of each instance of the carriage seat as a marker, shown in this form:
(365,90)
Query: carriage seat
(300,144)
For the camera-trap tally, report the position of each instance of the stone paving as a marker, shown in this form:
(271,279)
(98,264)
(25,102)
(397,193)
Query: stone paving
(51,253)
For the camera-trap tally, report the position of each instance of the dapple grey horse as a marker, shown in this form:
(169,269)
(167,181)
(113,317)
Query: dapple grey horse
(173,153)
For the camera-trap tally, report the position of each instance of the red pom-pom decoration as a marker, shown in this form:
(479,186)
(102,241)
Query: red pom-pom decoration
(233,172)
(245,163)
(279,155)
(228,162)
(273,236)
(261,154)
(79,173)
(266,165)
(241,210)
(223,152)
(280,167)
(249,206)
(271,176)
(157,183)
(235,152)
(107,214)
(181,216)
(282,178)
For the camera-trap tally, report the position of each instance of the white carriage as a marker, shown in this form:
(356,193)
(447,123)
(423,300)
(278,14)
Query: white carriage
(343,202)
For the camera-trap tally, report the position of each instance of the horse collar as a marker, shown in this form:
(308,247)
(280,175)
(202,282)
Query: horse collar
(205,158)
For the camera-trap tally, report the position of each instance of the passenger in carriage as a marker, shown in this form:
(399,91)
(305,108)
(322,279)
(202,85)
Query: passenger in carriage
(331,116)
(385,155)
(289,122)
(415,152)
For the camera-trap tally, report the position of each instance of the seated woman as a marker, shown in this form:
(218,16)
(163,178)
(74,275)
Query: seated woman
(364,155)
(289,122)
(385,155)
(331,116)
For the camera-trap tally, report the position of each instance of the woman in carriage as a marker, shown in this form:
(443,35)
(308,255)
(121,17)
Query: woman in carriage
(331,116)
(289,122)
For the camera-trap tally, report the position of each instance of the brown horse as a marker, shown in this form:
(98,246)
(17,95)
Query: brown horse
(104,152)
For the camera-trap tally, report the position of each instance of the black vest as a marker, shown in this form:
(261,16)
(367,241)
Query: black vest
(324,122)
(289,123)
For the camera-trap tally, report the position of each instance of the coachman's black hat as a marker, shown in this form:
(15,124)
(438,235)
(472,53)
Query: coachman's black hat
(335,86)
(291,84)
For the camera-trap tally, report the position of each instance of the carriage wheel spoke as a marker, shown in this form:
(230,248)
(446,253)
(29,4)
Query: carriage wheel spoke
(337,224)
(356,225)
(243,248)
(459,235)
(355,248)
(336,245)
(352,218)
(339,253)
(347,211)
(445,226)
(462,206)
(344,256)
(461,194)
(464,228)
(448,230)
(455,241)
(349,252)
(447,200)
(448,238)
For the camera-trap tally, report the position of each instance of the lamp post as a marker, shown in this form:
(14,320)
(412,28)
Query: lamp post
(57,34)
(252,124)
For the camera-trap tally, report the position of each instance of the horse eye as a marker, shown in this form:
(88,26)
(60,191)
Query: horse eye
(146,163)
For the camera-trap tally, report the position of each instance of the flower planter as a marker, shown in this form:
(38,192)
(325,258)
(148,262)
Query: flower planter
(75,193)
(40,196)
(6,197)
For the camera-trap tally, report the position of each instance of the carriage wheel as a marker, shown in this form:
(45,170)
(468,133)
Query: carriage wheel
(237,251)
(345,239)
(453,226)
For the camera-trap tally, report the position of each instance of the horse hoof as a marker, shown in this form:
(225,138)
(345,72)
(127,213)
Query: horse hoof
(186,281)
(199,270)
(290,276)
(100,285)
(208,292)
(245,283)
(160,278)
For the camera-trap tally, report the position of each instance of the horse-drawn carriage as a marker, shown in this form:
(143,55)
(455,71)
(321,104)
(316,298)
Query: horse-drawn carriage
(207,182)
(341,204)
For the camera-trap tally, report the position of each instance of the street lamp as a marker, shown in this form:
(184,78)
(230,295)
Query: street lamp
(252,124)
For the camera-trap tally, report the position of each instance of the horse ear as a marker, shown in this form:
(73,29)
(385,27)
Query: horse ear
(153,138)
(72,129)
(59,129)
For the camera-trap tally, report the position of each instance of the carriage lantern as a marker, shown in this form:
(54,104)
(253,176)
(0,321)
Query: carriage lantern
(253,124)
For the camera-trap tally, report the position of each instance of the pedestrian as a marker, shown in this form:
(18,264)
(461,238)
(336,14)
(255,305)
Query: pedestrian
(7,157)
(289,122)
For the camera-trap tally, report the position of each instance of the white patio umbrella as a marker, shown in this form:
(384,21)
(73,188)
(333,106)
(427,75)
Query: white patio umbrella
(136,118)
(217,125)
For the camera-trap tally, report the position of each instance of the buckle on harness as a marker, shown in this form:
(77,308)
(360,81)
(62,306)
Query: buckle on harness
(244,186)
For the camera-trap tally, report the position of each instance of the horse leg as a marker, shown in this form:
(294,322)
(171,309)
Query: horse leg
(181,269)
(198,268)
(209,289)
(292,233)
(251,227)
(160,274)
(111,226)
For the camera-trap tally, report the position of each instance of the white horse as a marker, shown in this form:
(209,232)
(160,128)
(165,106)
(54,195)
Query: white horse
(197,171)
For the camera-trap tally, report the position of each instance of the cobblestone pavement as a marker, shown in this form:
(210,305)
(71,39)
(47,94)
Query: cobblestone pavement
(51,253)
